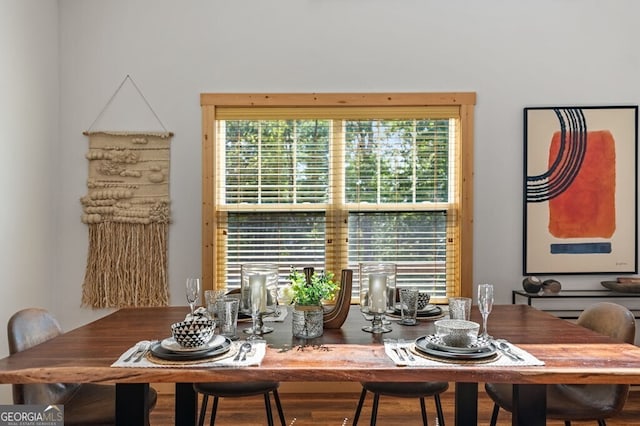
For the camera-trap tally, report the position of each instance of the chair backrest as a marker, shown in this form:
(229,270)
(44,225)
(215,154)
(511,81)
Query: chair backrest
(25,329)
(610,319)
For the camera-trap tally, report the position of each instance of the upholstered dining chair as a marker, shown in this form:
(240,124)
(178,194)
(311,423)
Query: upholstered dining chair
(403,390)
(84,404)
(581,402)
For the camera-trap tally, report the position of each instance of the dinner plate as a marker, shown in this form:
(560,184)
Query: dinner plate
(170,344)
(428,311)
(423,346)
(159,351)
(434,341)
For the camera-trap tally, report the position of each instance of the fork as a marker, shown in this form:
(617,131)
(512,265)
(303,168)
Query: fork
(249,352)
(408,354)
(405,350)
(144,351)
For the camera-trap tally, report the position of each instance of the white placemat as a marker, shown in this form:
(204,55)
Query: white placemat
(415,360)
(254,358)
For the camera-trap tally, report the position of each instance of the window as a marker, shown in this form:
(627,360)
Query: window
(332,180)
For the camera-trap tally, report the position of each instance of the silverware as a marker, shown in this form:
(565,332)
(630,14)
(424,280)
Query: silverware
(244,348)
(398,353)
(408,354)
(244,355)
(145,350)
(139,348)
(506,349)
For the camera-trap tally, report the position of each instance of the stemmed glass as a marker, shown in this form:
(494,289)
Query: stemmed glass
(256,304)
(374,311)
(485,303)
(192,292)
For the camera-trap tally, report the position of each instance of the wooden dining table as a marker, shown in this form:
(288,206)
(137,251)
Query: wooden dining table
(571,354)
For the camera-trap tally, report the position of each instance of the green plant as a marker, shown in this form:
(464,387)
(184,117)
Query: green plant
(321,287)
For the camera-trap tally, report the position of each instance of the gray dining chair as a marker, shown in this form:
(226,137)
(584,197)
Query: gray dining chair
(84,404)
(581,402)
(402,390)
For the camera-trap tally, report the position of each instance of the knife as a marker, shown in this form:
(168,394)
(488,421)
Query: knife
(398,353)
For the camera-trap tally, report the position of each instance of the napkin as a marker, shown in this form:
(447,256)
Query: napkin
(420,361)
(254,358)
(200,312)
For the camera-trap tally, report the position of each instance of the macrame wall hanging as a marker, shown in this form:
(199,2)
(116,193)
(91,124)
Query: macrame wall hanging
(127,210)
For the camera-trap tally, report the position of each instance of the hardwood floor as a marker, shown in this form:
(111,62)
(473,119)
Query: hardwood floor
(338,409)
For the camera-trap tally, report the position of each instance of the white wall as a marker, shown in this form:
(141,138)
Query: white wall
(514,54)
(28,157)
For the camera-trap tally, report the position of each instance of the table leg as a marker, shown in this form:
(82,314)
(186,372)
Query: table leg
(466,404)
(132,400)
(186,404)
(529,405)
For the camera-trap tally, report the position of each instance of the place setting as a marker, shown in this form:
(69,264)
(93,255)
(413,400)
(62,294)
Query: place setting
(457,340)
(413,306)
(194,341)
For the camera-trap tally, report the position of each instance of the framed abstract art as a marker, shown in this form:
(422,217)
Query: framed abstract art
(580,190)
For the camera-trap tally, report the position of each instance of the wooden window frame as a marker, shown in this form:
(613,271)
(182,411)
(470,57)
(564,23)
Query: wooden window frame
(465,101)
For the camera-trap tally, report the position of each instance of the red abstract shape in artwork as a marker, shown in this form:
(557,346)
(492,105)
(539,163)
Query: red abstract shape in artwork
(586,209)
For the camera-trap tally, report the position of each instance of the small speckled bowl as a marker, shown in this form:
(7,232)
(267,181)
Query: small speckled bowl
(458,333)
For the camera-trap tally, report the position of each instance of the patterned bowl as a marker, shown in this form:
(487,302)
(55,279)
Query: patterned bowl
(423,300)
(193,333)
(458,333)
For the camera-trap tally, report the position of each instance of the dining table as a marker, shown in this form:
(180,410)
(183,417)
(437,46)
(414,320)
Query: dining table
(567,353)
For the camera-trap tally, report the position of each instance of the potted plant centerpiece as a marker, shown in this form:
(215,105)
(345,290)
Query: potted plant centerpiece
(306,294)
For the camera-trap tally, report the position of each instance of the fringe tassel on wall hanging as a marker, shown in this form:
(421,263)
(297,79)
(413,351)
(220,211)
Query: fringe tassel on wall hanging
(127,211)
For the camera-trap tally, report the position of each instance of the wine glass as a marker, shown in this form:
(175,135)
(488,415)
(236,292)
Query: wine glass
(192,292)
(257,299)
(485,303)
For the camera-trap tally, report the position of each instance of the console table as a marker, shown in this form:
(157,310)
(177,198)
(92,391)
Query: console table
(568,304)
